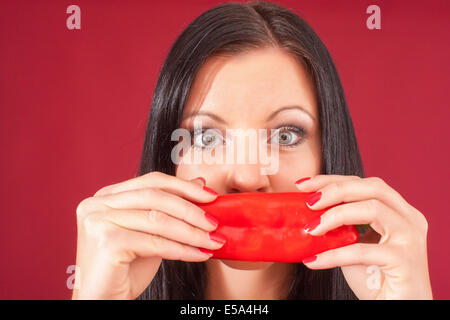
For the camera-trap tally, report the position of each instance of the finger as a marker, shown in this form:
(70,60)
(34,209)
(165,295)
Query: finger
(355,254)
(200,181)
(374,212)
(319,181)
(357,190)
(156,199)
(145,245)
(187,189)
(161,224)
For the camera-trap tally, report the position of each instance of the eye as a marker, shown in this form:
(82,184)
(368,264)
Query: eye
(208,139)
(288,136)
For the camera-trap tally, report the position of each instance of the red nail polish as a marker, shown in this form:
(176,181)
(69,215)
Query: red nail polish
(208,252)
(309,259)
(312,225)
(301,180)
(314,198)
(210,190)
(211,219)
(201,178)
(217,237)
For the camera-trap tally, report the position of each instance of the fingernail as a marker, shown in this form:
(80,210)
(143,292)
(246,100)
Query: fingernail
(210,190)
(211,219)
(309,259)
(202,179)
(217,237)
(301,180)
(314,198)
(208,252)
(312,225)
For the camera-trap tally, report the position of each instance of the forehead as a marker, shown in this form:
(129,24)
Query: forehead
(251,84)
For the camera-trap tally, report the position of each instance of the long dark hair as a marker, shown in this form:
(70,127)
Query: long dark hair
(229,29)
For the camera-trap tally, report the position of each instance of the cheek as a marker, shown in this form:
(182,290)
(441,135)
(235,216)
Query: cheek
(302,163)
(188,169)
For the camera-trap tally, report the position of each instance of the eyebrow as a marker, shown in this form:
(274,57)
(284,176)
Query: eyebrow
(289,108)
(272,115)
(206,113)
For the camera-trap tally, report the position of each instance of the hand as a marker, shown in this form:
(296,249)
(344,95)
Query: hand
(400,256)
(126,229)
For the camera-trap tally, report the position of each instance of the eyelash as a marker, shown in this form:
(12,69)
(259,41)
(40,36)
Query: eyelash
(193,134)
(298,130)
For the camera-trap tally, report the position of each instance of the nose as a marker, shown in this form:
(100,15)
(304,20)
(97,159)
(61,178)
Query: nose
(246,178)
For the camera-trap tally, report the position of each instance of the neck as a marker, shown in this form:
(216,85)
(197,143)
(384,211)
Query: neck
(226,283)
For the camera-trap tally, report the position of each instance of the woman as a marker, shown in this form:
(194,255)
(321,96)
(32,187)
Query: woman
(254,65)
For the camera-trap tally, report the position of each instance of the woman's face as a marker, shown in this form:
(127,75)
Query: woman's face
(261,89)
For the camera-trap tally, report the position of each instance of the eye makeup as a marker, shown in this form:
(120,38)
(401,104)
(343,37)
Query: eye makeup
(299,131)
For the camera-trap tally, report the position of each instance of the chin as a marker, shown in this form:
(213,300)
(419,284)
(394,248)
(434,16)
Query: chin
(246,265)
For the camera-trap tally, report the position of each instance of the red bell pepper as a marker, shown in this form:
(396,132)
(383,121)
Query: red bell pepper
(269,227)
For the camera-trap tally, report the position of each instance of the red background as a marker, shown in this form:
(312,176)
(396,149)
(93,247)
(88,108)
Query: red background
(74,105)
